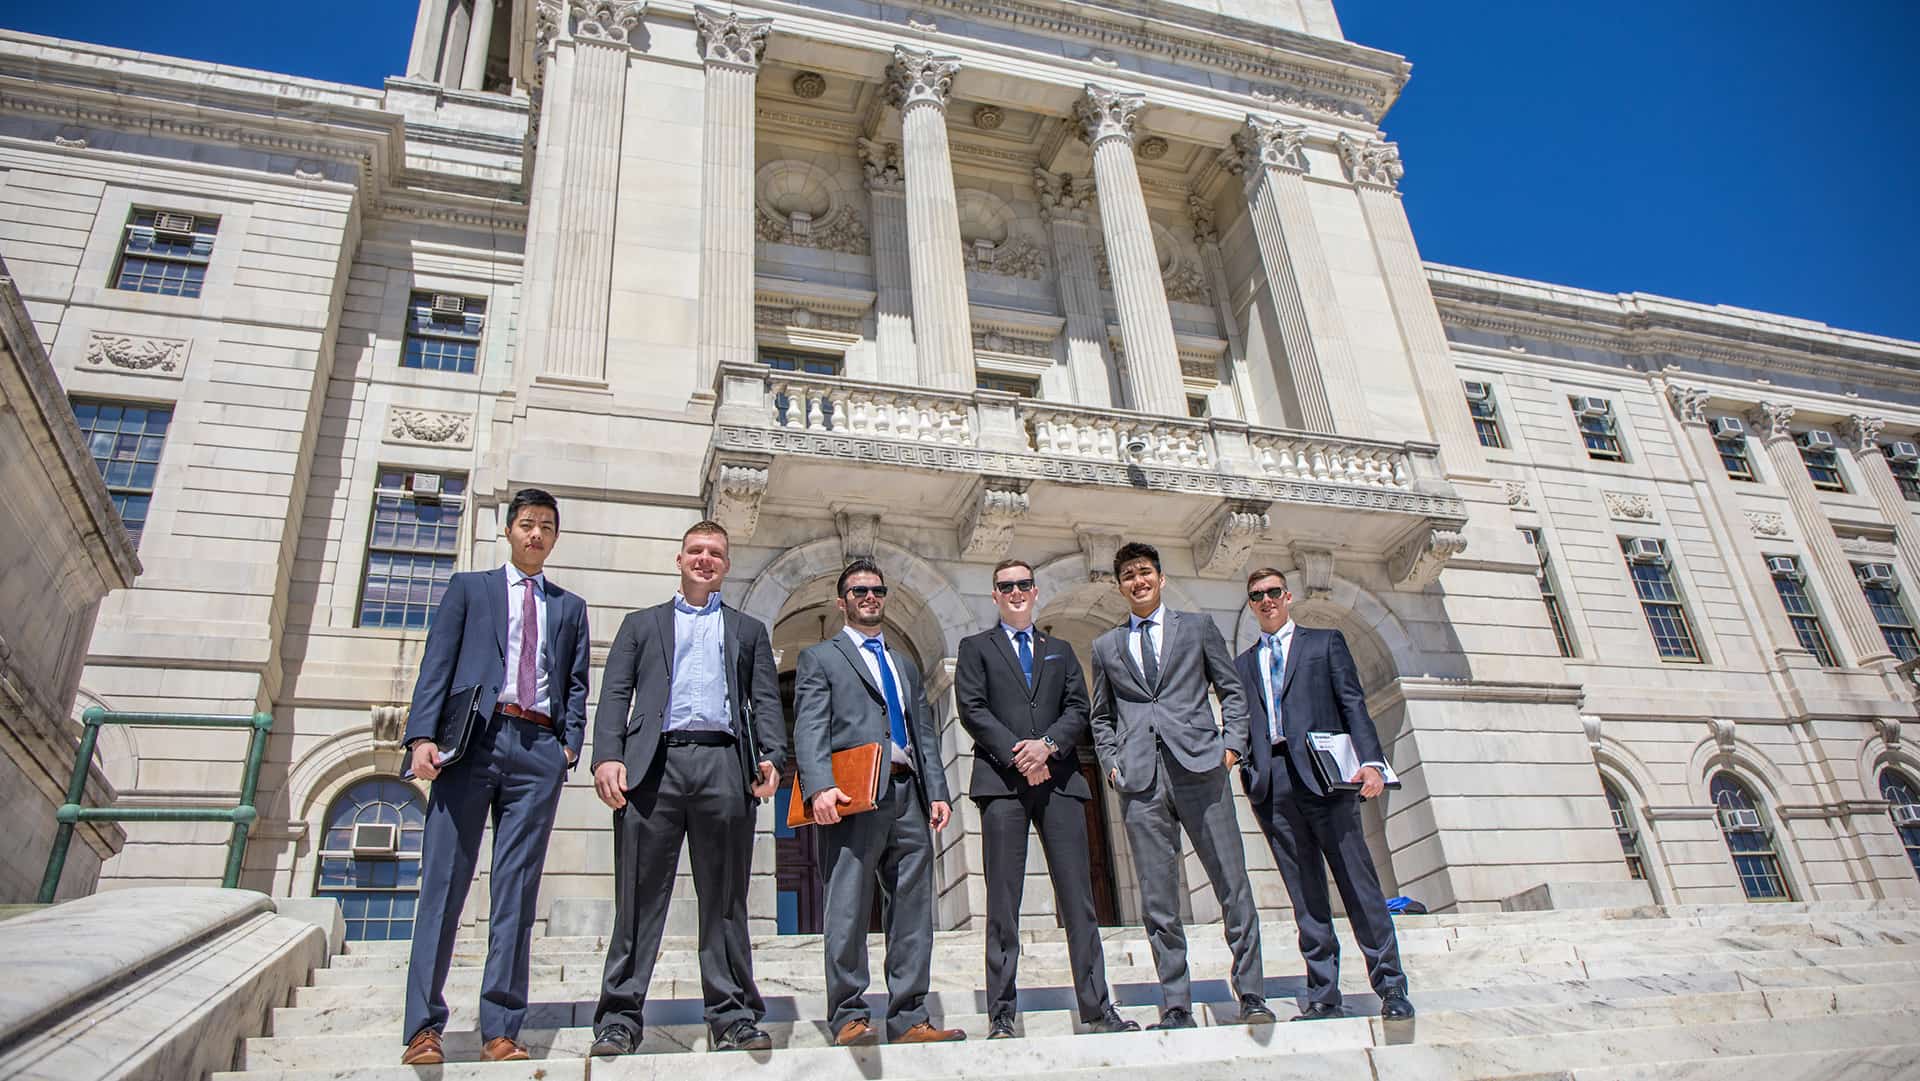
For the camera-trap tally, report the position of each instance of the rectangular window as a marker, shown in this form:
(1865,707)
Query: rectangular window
(1007,384)
(1790,582)
(794,360)
(443,333)
(1486,415)
(1549,592)
(165,252)
(1197,407)
(1733,454)
(1660,599)
(1598,429)
(125,439)
(1905,464)
(411,545)
(1883,596)
(1823,462)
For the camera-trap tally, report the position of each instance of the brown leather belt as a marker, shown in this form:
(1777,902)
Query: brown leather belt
(901,769)
(531,716)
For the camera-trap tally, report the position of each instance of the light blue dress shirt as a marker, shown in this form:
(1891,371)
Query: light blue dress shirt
(697,701)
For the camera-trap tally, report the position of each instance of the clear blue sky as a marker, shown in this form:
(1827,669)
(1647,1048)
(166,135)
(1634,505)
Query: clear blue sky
(1760,153)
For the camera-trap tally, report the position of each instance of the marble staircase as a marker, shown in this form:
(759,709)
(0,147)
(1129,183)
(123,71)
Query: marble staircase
(1824,991)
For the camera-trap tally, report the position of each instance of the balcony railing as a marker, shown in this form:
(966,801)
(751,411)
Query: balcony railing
(822,404)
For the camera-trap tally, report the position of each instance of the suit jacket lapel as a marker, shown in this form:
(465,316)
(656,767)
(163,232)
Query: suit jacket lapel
(552,637)
(1039,662)
(852,653)
(1126,655)
(1168,632)
(496,602)
(1005,649)
(663,633)
(1294,644)
(730,656)
(1256,688)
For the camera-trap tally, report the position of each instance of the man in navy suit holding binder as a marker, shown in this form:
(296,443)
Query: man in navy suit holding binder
(512,647)
(1303,680)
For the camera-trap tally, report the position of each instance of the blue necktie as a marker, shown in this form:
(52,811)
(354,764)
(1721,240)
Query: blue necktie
(1278,676)
(1026,654)
(896,718)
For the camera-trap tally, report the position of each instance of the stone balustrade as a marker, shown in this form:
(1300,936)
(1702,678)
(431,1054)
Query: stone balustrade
(1118,437)
(1304,456)
(826,404)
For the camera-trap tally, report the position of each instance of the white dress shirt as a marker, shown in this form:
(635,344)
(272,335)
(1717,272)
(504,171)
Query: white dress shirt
(899,755)
(509,690)
(1282,639)
(1159,618)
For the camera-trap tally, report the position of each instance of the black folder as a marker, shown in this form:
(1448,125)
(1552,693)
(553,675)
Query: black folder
(1331,753)
(459,718)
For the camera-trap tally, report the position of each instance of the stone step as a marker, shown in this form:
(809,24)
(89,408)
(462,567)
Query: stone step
(1893,1062)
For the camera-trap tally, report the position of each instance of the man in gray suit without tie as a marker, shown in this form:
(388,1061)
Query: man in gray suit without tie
(1157,738)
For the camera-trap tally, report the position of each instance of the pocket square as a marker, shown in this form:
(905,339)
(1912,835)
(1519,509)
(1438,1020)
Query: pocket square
(1054,657)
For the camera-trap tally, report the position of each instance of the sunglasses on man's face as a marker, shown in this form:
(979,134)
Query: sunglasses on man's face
(1255,596)
(1021,585)
(859,593)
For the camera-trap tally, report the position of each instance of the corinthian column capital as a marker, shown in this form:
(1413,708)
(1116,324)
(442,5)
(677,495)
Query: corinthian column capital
(730,39)
(881,163)
(609,21)
(1865,431)
(1689,403)
(1107,114)
(1371,162)
(1263,141)
(1062,198)
(1771,421)
(920,78)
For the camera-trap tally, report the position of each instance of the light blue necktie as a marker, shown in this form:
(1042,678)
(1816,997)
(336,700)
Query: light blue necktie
(1277,662)
(896,717)
(1026,654)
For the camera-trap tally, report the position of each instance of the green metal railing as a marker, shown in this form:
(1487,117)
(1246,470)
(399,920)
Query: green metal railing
(241,814)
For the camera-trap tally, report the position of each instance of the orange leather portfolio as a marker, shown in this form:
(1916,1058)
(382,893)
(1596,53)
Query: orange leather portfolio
(856,772)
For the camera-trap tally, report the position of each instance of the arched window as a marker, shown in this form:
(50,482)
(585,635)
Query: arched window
(1624,828)
(1748,839)
(370,857)
(1905,809)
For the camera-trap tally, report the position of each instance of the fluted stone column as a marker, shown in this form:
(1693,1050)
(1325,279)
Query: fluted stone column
(1375,170)
(1063,206)
(1270,160)
(474,68)
(429,31)
(731,45)
(892,270)
(1153,380)
(1206,237)
(918,84)
(1733,532)
(1863,438)
(1770,422)
(590,74)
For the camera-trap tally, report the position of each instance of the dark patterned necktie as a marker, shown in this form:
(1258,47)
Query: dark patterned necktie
(526,680)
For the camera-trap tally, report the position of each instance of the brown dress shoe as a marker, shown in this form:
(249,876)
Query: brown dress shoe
(926,1033)
(502,1049)
(423,1049)
(856,1033)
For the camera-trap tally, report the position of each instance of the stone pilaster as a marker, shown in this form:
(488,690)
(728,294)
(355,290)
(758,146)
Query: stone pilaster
(918,83)
(1770,424)
(1374,169)
(589,77)
(1863,438)
(731,46)
(473,72)
(429,30)
(892,270)
(1153,382)
(1063,205)
(1206,237)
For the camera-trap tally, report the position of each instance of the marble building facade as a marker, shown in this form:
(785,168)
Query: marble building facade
(937,283)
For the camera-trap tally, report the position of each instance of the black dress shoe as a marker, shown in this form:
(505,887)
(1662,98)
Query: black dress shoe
(614,1040)
(1112,1022)
(1178,1017)
(1395,1007)
(1254,1011)
(743,1035)
(1002,1027)
(1321,1011)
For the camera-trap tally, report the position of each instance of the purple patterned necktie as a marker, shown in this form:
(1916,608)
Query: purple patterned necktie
(525,681)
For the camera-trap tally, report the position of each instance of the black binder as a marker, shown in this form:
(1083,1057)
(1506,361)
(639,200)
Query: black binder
(1327,766)
(749,743)
(459,718)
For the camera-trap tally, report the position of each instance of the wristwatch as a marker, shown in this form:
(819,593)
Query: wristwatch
(1052,747)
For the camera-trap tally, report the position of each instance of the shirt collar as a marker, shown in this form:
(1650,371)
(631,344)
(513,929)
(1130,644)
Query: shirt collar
(681,604)
(1010,630)
(1159,618)
(514,575)
(861,640)
(1285,630)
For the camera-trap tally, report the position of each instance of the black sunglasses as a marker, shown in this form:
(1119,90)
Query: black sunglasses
(1274,593)
(1020,584)
(860,592)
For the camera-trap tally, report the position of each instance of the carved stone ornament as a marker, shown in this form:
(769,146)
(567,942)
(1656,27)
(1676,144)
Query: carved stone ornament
(429,427)
(71,137)
(841,230)
(1689,403)
(1371,162)
(1418,561)
(1151,148)
(165,357)
(881,163)
(734,495)
(1099,550)
(859,534)
(1200,212)
(1107,114)
(1263,141)
(1591,723)
(611,21)
(1628,506)
(1864,547)
(1723,733)
(389,722)
(790,315)
(1517,495)
(731,39)
(920,78)
(1221,548)
(1889,731)
(1016,257)
(1315,569)
(988,117)
(1061,196)
(1766,523)
(1865,431)
(1771,421)
(809,85)
(1185,282)
(987,530)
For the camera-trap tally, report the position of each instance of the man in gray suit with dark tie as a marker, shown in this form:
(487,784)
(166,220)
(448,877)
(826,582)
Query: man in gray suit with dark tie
(850,690)
(1169,758)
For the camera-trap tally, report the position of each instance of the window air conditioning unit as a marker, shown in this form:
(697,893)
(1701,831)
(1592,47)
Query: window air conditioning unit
(164,222)
(1477,392)
(1817,440)
(424,486)
(1590,406)
(1729,428)
(1783,567)
(1739,820)
(446,305)
(1903,452)
(374,839)
(1645,550)
(1877,574)
(1906,815)
(1619,820)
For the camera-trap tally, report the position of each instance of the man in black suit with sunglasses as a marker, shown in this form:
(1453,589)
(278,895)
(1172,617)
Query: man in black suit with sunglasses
(1024,702)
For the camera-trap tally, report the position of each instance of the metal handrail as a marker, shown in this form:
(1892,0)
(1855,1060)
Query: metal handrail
(242,814)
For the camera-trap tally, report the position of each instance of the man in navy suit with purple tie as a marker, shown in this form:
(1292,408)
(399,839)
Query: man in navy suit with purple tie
(522,643)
